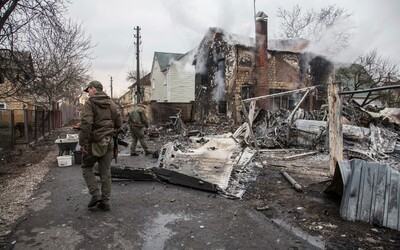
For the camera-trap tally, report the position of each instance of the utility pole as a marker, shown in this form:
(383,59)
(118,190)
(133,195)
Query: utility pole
(254,5)
(137,43)
(111,87)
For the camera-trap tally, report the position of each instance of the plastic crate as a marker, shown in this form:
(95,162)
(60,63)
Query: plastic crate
(66,146)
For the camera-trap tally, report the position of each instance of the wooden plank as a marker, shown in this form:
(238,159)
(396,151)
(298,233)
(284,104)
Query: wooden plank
(297,156)
(247,116)
(289,119)
(335,125)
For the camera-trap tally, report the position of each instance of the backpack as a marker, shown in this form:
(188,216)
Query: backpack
(135,119)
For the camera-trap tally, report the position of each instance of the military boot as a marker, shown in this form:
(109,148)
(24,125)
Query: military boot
(104,206)
(93,202)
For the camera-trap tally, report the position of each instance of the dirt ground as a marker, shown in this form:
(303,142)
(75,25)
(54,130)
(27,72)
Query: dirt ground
(310,211)
(21,171)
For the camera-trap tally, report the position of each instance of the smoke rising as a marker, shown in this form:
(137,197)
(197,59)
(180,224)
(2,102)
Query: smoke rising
(219,91)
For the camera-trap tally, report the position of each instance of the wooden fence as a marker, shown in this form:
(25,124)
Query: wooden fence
(26,126)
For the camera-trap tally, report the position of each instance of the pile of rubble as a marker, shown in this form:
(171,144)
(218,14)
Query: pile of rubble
(368,135)
(367,178)
(220,158)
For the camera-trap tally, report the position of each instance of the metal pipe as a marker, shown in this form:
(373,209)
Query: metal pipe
(292,181)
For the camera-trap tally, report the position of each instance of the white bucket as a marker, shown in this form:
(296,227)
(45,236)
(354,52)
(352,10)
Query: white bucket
(64,161)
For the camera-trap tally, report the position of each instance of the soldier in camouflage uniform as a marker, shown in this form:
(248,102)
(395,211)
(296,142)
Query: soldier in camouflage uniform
(100,119)
(137,120)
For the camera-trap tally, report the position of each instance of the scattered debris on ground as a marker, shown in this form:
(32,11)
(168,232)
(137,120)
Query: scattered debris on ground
(283,173)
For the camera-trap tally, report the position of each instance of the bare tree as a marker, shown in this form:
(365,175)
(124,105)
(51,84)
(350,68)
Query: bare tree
(381,70)
(132,75)
(17,68)
(60,61)
(369,71)
(17,19)
(330,23)
(57,49)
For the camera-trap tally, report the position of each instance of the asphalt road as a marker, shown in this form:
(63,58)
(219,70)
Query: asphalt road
(144,215)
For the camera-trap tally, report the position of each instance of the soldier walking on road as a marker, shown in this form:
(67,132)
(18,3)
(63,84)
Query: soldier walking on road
(137,120)
(100,119)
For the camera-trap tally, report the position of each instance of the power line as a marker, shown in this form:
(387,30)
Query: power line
(127,53)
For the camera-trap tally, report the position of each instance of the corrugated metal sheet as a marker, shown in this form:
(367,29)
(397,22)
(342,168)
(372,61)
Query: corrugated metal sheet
(371,193)
(218,165)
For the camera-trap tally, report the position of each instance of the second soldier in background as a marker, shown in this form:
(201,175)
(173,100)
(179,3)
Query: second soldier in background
(137,121)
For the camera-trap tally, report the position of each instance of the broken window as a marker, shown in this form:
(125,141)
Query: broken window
(280,102)
(247,92)
(222,107)
(201,79)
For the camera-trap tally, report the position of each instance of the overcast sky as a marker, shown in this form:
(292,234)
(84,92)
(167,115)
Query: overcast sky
(178,26)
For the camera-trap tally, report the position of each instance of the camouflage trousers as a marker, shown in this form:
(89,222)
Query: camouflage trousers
(104,163)
(137,135)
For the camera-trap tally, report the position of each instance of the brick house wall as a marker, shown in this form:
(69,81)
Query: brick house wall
(235,64)
(229,70)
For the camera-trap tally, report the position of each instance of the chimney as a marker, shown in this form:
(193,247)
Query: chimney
(261,20)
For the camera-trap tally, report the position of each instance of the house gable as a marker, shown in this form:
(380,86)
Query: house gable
(182,74)
(160,75)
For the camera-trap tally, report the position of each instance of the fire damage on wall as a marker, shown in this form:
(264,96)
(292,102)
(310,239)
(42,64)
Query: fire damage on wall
(231,68)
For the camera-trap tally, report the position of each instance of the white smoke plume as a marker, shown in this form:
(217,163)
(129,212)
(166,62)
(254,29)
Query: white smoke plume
(219,91)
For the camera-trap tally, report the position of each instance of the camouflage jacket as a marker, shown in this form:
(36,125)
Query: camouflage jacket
(100,118)
(137,118)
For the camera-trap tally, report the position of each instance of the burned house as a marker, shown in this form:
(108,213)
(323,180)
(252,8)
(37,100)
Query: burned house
(231,68)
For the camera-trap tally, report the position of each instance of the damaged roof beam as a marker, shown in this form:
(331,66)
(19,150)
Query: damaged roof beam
(289,119)
(251,133)
(369,90)
(280,94)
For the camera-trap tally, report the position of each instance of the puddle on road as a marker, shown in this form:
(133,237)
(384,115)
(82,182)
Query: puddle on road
(157,232)
(313,240)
